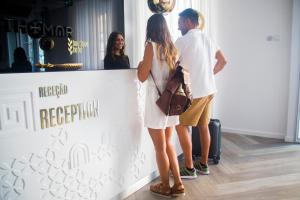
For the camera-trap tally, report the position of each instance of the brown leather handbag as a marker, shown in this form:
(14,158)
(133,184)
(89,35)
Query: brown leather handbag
(177,96)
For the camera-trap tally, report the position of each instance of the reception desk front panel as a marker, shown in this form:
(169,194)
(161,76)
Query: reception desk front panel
(73,135)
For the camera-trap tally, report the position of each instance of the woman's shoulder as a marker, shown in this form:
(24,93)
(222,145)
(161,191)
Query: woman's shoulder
(125,57)
(149,46)
(107,56)
(150,43)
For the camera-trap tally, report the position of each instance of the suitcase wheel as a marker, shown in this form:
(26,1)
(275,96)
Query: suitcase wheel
(216,161)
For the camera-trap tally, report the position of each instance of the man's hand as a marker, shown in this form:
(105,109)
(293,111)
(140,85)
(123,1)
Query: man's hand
(221,62)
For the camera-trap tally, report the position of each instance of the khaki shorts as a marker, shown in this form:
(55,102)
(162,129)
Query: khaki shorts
(198,113)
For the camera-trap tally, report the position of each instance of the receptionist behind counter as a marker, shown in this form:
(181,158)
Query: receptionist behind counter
(115,57)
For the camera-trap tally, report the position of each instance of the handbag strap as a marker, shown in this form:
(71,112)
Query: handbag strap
(155,84)
(176,65)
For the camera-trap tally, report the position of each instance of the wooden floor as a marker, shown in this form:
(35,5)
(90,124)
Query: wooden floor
(250,168)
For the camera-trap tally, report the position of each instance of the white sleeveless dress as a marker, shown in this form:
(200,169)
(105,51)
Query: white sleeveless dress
(154,117)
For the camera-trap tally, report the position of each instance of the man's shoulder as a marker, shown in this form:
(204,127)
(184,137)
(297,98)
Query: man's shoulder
(192,35)
(183,40)
(179,40)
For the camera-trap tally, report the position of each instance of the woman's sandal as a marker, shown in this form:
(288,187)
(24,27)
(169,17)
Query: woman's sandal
(161,190)
(177,190)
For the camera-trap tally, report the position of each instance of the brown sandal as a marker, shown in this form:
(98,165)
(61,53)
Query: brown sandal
(177,190)
(162,190)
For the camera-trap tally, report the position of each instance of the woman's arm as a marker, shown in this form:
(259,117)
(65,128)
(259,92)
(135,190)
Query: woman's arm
(128,63)
(146,64)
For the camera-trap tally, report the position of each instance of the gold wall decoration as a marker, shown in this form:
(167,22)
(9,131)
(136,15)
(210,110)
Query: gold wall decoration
(53,90)
(75,46)
(57,116)
(161,6)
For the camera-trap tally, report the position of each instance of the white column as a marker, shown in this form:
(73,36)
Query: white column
(293,106)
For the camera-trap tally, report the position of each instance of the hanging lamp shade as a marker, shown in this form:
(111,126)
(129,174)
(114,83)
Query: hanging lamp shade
(161,6)
(46,43)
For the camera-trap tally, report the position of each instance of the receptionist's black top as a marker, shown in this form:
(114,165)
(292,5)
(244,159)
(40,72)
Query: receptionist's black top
(116,62)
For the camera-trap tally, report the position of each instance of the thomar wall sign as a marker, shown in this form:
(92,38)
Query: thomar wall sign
(37,29)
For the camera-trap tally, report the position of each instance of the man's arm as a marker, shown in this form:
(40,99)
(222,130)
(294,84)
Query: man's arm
(221,62)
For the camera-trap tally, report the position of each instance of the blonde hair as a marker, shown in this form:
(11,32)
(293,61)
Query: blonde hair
(202,20)
(167,53)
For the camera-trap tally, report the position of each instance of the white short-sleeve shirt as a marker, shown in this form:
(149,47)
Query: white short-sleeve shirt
(197,54)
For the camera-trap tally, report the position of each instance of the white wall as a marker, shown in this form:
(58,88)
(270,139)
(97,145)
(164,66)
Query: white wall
(254,86)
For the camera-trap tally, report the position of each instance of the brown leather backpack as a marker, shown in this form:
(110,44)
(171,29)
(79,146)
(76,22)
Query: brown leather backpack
(177,96)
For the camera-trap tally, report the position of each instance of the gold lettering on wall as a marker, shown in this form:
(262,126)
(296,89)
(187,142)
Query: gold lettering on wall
(44,118)
(61,115)
(67,113)
(73,112)
(54,90)
(75,46)
(52,117)
(60,119)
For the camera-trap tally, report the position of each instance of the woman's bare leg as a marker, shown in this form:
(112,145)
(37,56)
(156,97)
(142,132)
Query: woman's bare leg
(172,156)
(162,160)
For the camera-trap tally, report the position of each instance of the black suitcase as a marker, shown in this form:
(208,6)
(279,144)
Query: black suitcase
(215,143)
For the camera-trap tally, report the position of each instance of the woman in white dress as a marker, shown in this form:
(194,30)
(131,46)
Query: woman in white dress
(159,58)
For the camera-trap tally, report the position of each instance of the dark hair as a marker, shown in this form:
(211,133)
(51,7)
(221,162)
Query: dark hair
(111,43)
(191,14)
(157,31)
(20,55)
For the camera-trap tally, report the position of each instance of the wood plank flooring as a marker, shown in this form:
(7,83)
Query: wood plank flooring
(251,168)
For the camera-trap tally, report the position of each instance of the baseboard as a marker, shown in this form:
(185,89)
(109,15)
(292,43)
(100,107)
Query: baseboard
(135,187)
(289,139)
(255,133)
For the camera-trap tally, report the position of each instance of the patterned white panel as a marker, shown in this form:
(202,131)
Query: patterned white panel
(79,155)
(16,112)
(90,159)
(137,161)
(12,181)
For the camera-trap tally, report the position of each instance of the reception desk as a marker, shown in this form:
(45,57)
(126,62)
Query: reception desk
(73,135)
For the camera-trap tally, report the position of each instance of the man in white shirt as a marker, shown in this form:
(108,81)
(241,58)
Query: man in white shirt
(203,59)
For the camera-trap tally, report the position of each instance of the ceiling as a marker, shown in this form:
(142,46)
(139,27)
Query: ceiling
(23,8)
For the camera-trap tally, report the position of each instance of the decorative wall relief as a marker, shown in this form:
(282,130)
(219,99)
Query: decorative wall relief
(79,155)
(12,183)
(61,177)
(105,150)
(140,101)
(47,163)
(137,161)
(76,185)
(59,139)
(13,175)
(16,112)
(99,156)
(116,177)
